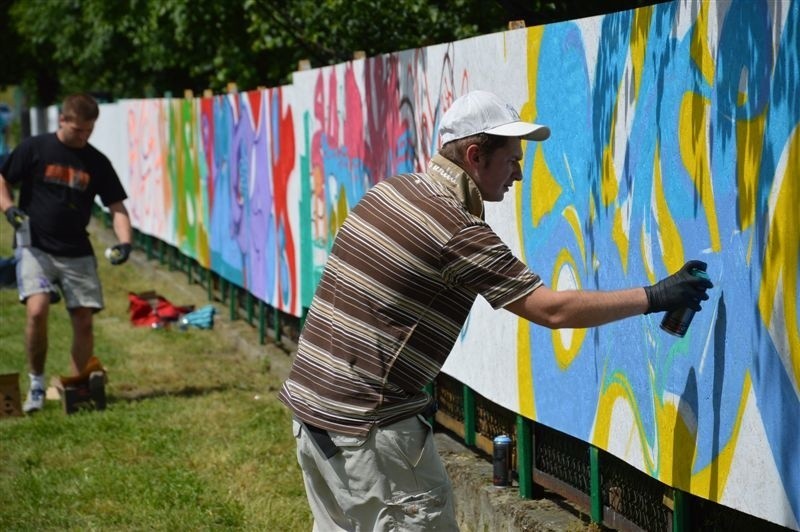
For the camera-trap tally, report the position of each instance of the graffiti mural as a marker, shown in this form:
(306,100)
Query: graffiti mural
(675,136)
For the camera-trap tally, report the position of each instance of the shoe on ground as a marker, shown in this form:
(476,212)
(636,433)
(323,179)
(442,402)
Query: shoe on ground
(34,401)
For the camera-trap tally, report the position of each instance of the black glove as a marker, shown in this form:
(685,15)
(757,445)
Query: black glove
(15,215)
(679,290)
(120,254)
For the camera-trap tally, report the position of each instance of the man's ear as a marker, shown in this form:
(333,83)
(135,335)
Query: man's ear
(472,155)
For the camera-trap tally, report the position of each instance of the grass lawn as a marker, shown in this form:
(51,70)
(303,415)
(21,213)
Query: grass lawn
(193,437)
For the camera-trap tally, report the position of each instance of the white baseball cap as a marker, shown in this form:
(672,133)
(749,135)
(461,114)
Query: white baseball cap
(483,112)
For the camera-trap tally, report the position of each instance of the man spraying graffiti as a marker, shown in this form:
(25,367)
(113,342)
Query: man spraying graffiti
(403,274)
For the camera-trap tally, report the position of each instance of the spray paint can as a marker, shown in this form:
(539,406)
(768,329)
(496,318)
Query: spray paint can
(23,232)
(676,322)
(501,460)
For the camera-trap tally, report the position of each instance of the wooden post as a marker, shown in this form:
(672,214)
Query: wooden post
(208,93)
(359,54)
(231,87)
(516,24)
(188,94)
(304,64)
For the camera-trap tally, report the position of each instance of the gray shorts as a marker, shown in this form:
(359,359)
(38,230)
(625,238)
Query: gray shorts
(75,278)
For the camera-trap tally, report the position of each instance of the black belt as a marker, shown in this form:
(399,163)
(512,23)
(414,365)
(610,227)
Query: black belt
(322,439)
(329,449)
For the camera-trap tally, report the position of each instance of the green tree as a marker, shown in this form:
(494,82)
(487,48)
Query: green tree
(138,48)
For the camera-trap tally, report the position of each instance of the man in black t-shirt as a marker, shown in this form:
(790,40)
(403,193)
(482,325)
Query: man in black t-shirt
(59,174)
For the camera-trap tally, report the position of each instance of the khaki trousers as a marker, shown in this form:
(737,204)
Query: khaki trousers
(393,479)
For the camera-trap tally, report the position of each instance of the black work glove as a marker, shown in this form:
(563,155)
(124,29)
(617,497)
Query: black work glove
(15,215)
(679,290)
(120,254)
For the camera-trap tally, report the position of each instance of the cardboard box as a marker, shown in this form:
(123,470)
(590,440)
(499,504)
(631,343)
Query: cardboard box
(10,405)
(89,395)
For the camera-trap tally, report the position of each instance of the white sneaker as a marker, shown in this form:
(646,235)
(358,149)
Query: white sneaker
(35,401)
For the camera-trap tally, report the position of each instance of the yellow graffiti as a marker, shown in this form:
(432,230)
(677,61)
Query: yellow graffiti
(710,481)
(779,273)
(693,125)
(527,399)
(525,391)
(677,443)
(699,50)
(676,438)
(534,43)
(608,179)
(566,342)
(545,190)
(619,234)
(617,388)
(646,250)
(639,34)
(749,148)
(339,212)
(571,215)
(668,234)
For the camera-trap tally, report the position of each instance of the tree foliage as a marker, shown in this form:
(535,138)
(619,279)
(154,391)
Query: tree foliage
(137,48)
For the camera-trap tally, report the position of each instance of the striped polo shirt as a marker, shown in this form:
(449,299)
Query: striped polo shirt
(404,271)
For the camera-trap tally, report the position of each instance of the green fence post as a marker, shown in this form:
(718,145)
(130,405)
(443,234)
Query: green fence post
(594,484)
(276,322)
(524,457)
(249,305)
(161,252)
(234,299)
(469,416)
(430,389)
(262,323)
(148,246)
(210,285)
(680,511)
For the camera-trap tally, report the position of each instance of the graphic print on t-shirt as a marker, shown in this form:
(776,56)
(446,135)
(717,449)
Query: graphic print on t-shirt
(68,176)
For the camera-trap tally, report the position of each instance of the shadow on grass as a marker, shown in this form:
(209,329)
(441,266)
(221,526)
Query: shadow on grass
(132,396)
